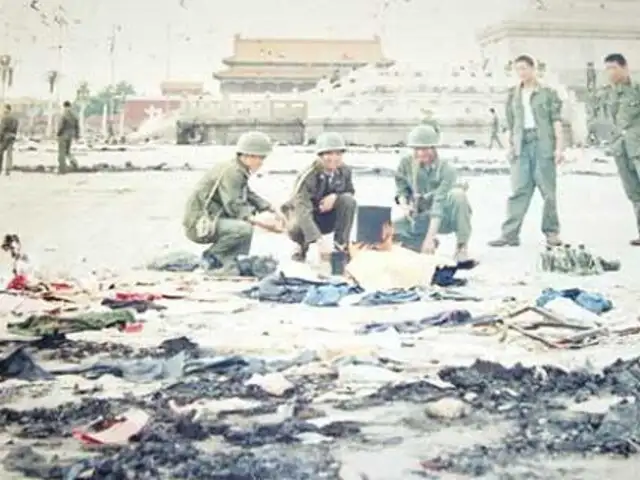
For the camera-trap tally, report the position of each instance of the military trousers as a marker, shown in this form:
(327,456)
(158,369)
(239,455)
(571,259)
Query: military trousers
(629,172)
(231,238)
(456,218)
(6,148)
(339,221)
(528,171)
(64,152)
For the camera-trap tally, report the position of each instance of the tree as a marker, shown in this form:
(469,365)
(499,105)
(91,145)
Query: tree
(96,102)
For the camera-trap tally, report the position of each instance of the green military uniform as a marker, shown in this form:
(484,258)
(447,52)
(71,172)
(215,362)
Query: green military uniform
(224,198)
(621,103)
(68,130)
(533,162)
(306,223)
(432,192)
(8,132)
(495,132)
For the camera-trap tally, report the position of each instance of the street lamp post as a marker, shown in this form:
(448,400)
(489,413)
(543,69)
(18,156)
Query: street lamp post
(82,99)
(52,82)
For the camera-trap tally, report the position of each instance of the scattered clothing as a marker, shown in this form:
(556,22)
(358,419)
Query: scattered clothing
(452,318)
(21,366)
(594,302)
(390,297)
(328,295)
(36,325)
(446,276)
(176,262)
(140,306)
(256,266)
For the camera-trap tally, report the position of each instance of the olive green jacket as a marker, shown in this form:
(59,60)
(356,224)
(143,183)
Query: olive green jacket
(415,182)
(222,193)
(8,127)
(621,105)
(311,186)
(547,110)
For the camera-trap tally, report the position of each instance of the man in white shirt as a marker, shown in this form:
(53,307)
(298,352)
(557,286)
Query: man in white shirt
(534,122)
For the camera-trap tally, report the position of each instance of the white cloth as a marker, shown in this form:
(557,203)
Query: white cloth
(529,119)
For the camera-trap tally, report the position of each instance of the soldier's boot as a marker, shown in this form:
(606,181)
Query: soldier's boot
(300,255)
(636,210)
(461,253)
(553,240)
(73,163)
(504,242)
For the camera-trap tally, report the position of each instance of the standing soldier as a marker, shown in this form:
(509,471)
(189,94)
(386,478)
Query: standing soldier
(221,210)
(432,202)
(68,130)
(534,122)
(8,132)
(621,99)
(495,129)
(322,201)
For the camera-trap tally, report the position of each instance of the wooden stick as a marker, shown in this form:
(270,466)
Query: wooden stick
(533,336)
(584,335)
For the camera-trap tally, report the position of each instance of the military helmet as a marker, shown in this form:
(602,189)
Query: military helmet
(330,142)
(423,136)
(254,143)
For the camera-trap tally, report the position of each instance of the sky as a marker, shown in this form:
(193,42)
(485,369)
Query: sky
(187,39)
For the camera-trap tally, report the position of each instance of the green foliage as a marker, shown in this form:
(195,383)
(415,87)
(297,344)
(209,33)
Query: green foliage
(96,101)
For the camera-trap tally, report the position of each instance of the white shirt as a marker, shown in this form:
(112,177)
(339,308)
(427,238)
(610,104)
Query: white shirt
(529,119)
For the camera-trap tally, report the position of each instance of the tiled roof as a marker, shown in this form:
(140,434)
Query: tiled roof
(271,72)
(307,50)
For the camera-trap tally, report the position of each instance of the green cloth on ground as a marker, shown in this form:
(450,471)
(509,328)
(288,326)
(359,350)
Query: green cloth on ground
(36,325)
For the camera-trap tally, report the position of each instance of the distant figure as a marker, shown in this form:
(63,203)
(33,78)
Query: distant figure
(495,129)
(68,130)
(8,132)
(620,98)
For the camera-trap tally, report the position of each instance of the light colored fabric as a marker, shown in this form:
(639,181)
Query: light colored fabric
(529,118)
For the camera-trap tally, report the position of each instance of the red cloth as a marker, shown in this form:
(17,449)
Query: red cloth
(140,297)
(18,282)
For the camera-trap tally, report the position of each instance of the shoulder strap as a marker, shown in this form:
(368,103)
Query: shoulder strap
(214,189)
(302,178)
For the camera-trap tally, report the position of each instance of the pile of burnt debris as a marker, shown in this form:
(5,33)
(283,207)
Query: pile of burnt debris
(540,404)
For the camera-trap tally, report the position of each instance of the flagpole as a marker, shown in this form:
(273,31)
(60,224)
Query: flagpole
(112,74)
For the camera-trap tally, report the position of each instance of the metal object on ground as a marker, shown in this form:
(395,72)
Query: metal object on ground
(370,224)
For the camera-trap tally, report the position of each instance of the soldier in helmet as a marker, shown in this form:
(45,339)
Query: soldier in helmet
(322,200)
(431,201)
(221,210)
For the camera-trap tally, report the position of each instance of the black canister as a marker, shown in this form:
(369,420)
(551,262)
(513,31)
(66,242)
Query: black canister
(370,224)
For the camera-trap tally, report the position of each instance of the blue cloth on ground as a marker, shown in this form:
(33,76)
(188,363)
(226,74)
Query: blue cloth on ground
(328,295)
(390,297)
(594,302)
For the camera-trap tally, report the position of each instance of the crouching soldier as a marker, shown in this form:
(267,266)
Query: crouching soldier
(221,210)
(431,201)
(322,201)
